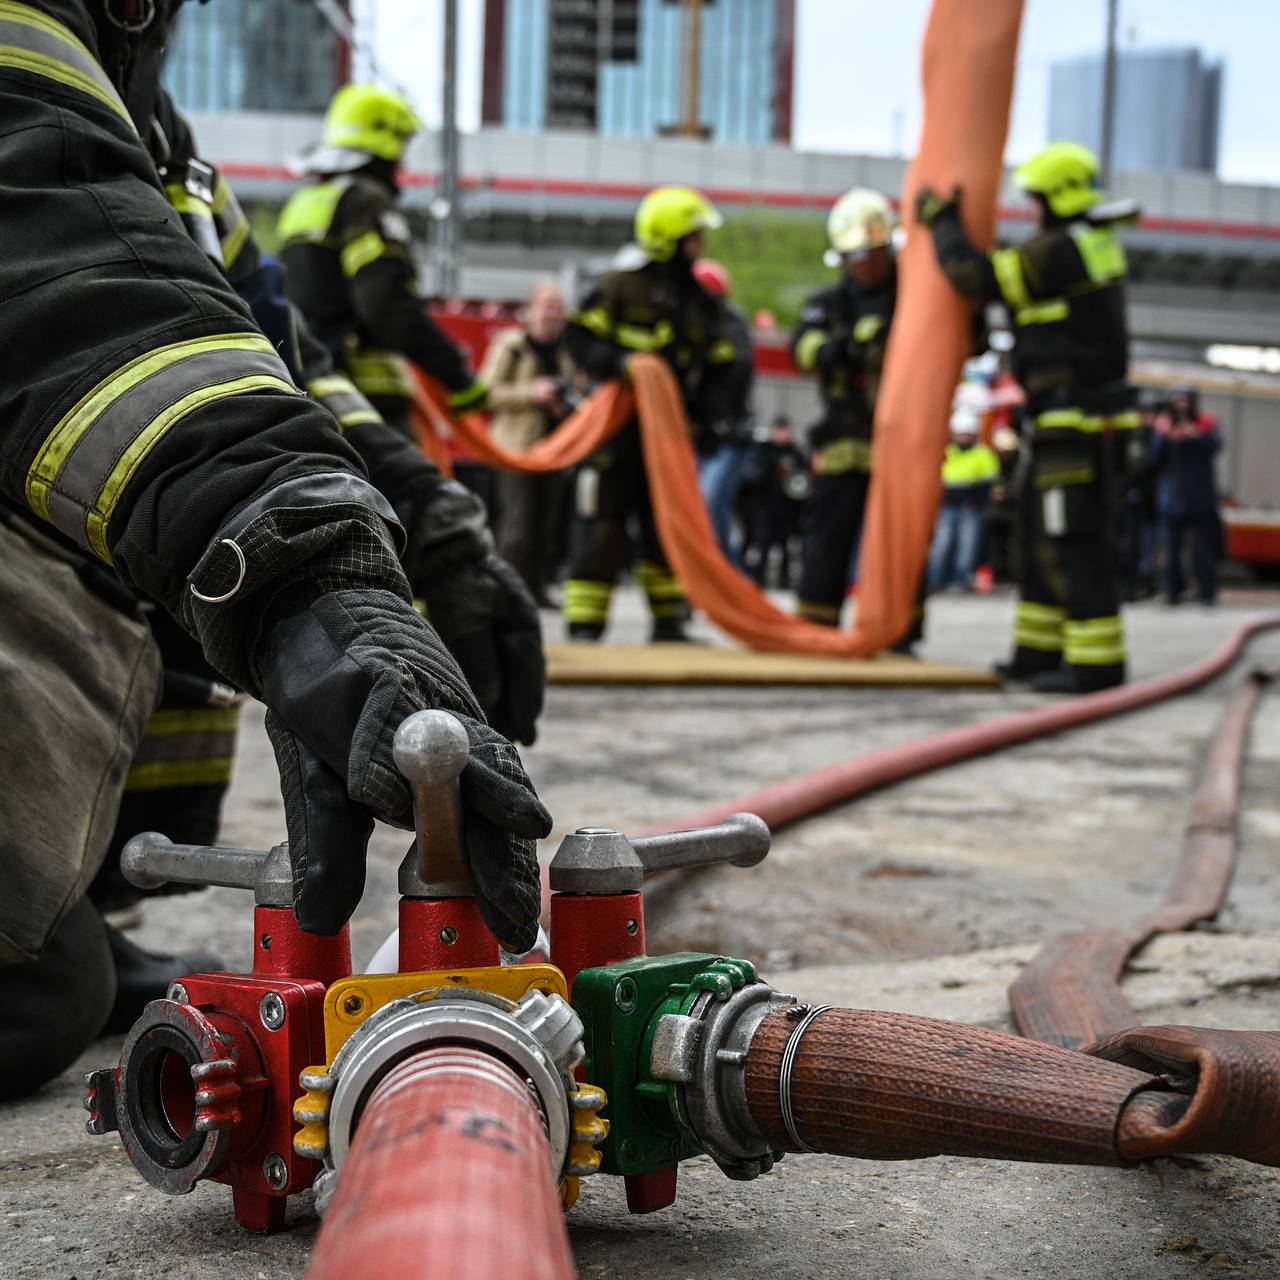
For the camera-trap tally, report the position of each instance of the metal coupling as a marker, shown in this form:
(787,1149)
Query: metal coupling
(701,1054)
(539,1038)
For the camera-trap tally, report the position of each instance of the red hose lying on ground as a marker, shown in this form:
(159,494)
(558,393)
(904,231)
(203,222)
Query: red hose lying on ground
(810,793)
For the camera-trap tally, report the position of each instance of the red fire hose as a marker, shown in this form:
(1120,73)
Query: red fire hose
(448,1176)
(802,797)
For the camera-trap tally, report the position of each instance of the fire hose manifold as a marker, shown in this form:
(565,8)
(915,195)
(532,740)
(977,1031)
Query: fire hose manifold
(606,1060)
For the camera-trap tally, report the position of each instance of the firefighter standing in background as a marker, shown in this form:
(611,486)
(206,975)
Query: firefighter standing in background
(347,249)
(841,339)
(1064,289)
(659,308)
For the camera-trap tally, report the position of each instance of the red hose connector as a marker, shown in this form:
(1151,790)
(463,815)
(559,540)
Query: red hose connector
(448,1177)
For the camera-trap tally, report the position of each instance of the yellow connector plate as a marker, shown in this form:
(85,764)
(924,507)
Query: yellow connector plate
(351,1000)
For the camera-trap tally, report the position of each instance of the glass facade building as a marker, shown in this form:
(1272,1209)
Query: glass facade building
(1167,108)
(615,67)
(254,55)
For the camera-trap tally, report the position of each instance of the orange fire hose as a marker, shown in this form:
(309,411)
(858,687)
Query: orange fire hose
(448,1177)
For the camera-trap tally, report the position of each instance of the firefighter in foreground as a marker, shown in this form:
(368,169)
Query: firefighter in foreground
(153,439)
(1064,289)
(347,249)
(658,307)
(842,338)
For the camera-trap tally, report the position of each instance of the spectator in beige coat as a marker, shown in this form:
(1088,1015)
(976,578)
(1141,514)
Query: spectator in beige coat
(530,379)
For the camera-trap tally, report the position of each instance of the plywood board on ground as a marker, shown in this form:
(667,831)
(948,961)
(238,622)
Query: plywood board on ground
(715,664)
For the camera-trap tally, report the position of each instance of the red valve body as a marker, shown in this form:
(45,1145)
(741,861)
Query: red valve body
(428,924)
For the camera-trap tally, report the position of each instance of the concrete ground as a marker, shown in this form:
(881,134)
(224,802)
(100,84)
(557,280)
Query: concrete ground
(924,898)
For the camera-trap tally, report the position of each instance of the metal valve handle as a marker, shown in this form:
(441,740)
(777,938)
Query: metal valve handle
(601,860)
(431,749)
(150,860)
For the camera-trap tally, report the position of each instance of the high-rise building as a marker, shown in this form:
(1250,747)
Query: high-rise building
(619,67)
(1167,108)
(254,55)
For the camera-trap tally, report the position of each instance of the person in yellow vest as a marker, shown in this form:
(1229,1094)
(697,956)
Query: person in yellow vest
(969,471)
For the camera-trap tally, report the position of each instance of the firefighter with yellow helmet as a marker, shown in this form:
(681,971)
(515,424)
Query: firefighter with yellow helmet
(656,307)
(1064,290)
(841,339)
(347,248)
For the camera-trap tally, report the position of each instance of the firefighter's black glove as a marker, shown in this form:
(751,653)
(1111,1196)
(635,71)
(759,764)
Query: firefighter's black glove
(477,602)
(339,671)
(930,206)
(489,620)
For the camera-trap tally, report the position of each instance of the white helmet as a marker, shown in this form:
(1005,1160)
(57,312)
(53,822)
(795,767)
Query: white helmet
(861,220)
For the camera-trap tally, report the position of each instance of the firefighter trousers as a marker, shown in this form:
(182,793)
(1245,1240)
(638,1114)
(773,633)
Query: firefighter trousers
(613,513)
(1069,604)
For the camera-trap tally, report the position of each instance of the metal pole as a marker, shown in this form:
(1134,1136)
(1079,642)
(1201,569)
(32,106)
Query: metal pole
(1108,94)
(691,71)
(449,215)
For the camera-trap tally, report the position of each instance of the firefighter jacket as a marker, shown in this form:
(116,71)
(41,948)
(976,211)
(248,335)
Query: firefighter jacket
(659,308)
(1064,290)
(140,405)
(348,257)
(842,337)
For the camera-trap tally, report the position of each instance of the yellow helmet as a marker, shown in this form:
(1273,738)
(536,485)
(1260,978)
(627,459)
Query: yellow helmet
(668,214)
(861,220)
(364,122)
(1066,174)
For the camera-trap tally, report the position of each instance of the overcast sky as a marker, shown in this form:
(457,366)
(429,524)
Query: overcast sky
(857,66)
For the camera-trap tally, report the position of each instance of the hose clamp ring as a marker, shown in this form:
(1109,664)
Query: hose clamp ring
(789,1054)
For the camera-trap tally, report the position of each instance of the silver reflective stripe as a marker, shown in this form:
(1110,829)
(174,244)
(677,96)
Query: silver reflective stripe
(340,397)
(32,41)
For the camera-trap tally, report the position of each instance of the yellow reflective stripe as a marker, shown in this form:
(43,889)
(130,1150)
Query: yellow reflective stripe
(179,773)
(658,583)
(341,398)
(722,352)
(1112,422)
(815,612)
(1007,264)
(842,455)
(468,396)
(380,373)
(1097,642)
(1060,418)
(586,600)
(363,250)
(32,41)
(637,338)
(807,347)
(867,327)
(1108,627)
(597,320)
(1050,613)
(117,481)
(234,241)
(1049,312)
(1102,254)
(308,214)
(63,438)
(184,202)
(170,720)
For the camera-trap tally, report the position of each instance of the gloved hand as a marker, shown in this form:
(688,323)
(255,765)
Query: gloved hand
(930,206)
(339,670)
(489,620)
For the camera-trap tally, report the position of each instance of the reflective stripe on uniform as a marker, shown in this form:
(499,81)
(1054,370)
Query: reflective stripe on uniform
(86,462)
(183,747)
(341,398)
(850,454)
(867,327)
(230,220)
(461,401)
(807,347)
(32,41)
(1094,642)
(722,352)
(197,217)
(1100,251)
(595,320)
(640,338)
(1007,264)
(1050,311)
(661,587)
(367,247)
(827,614)
(586,600)
(308,214)
(380,373)
(1039,626)
(1126,421)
